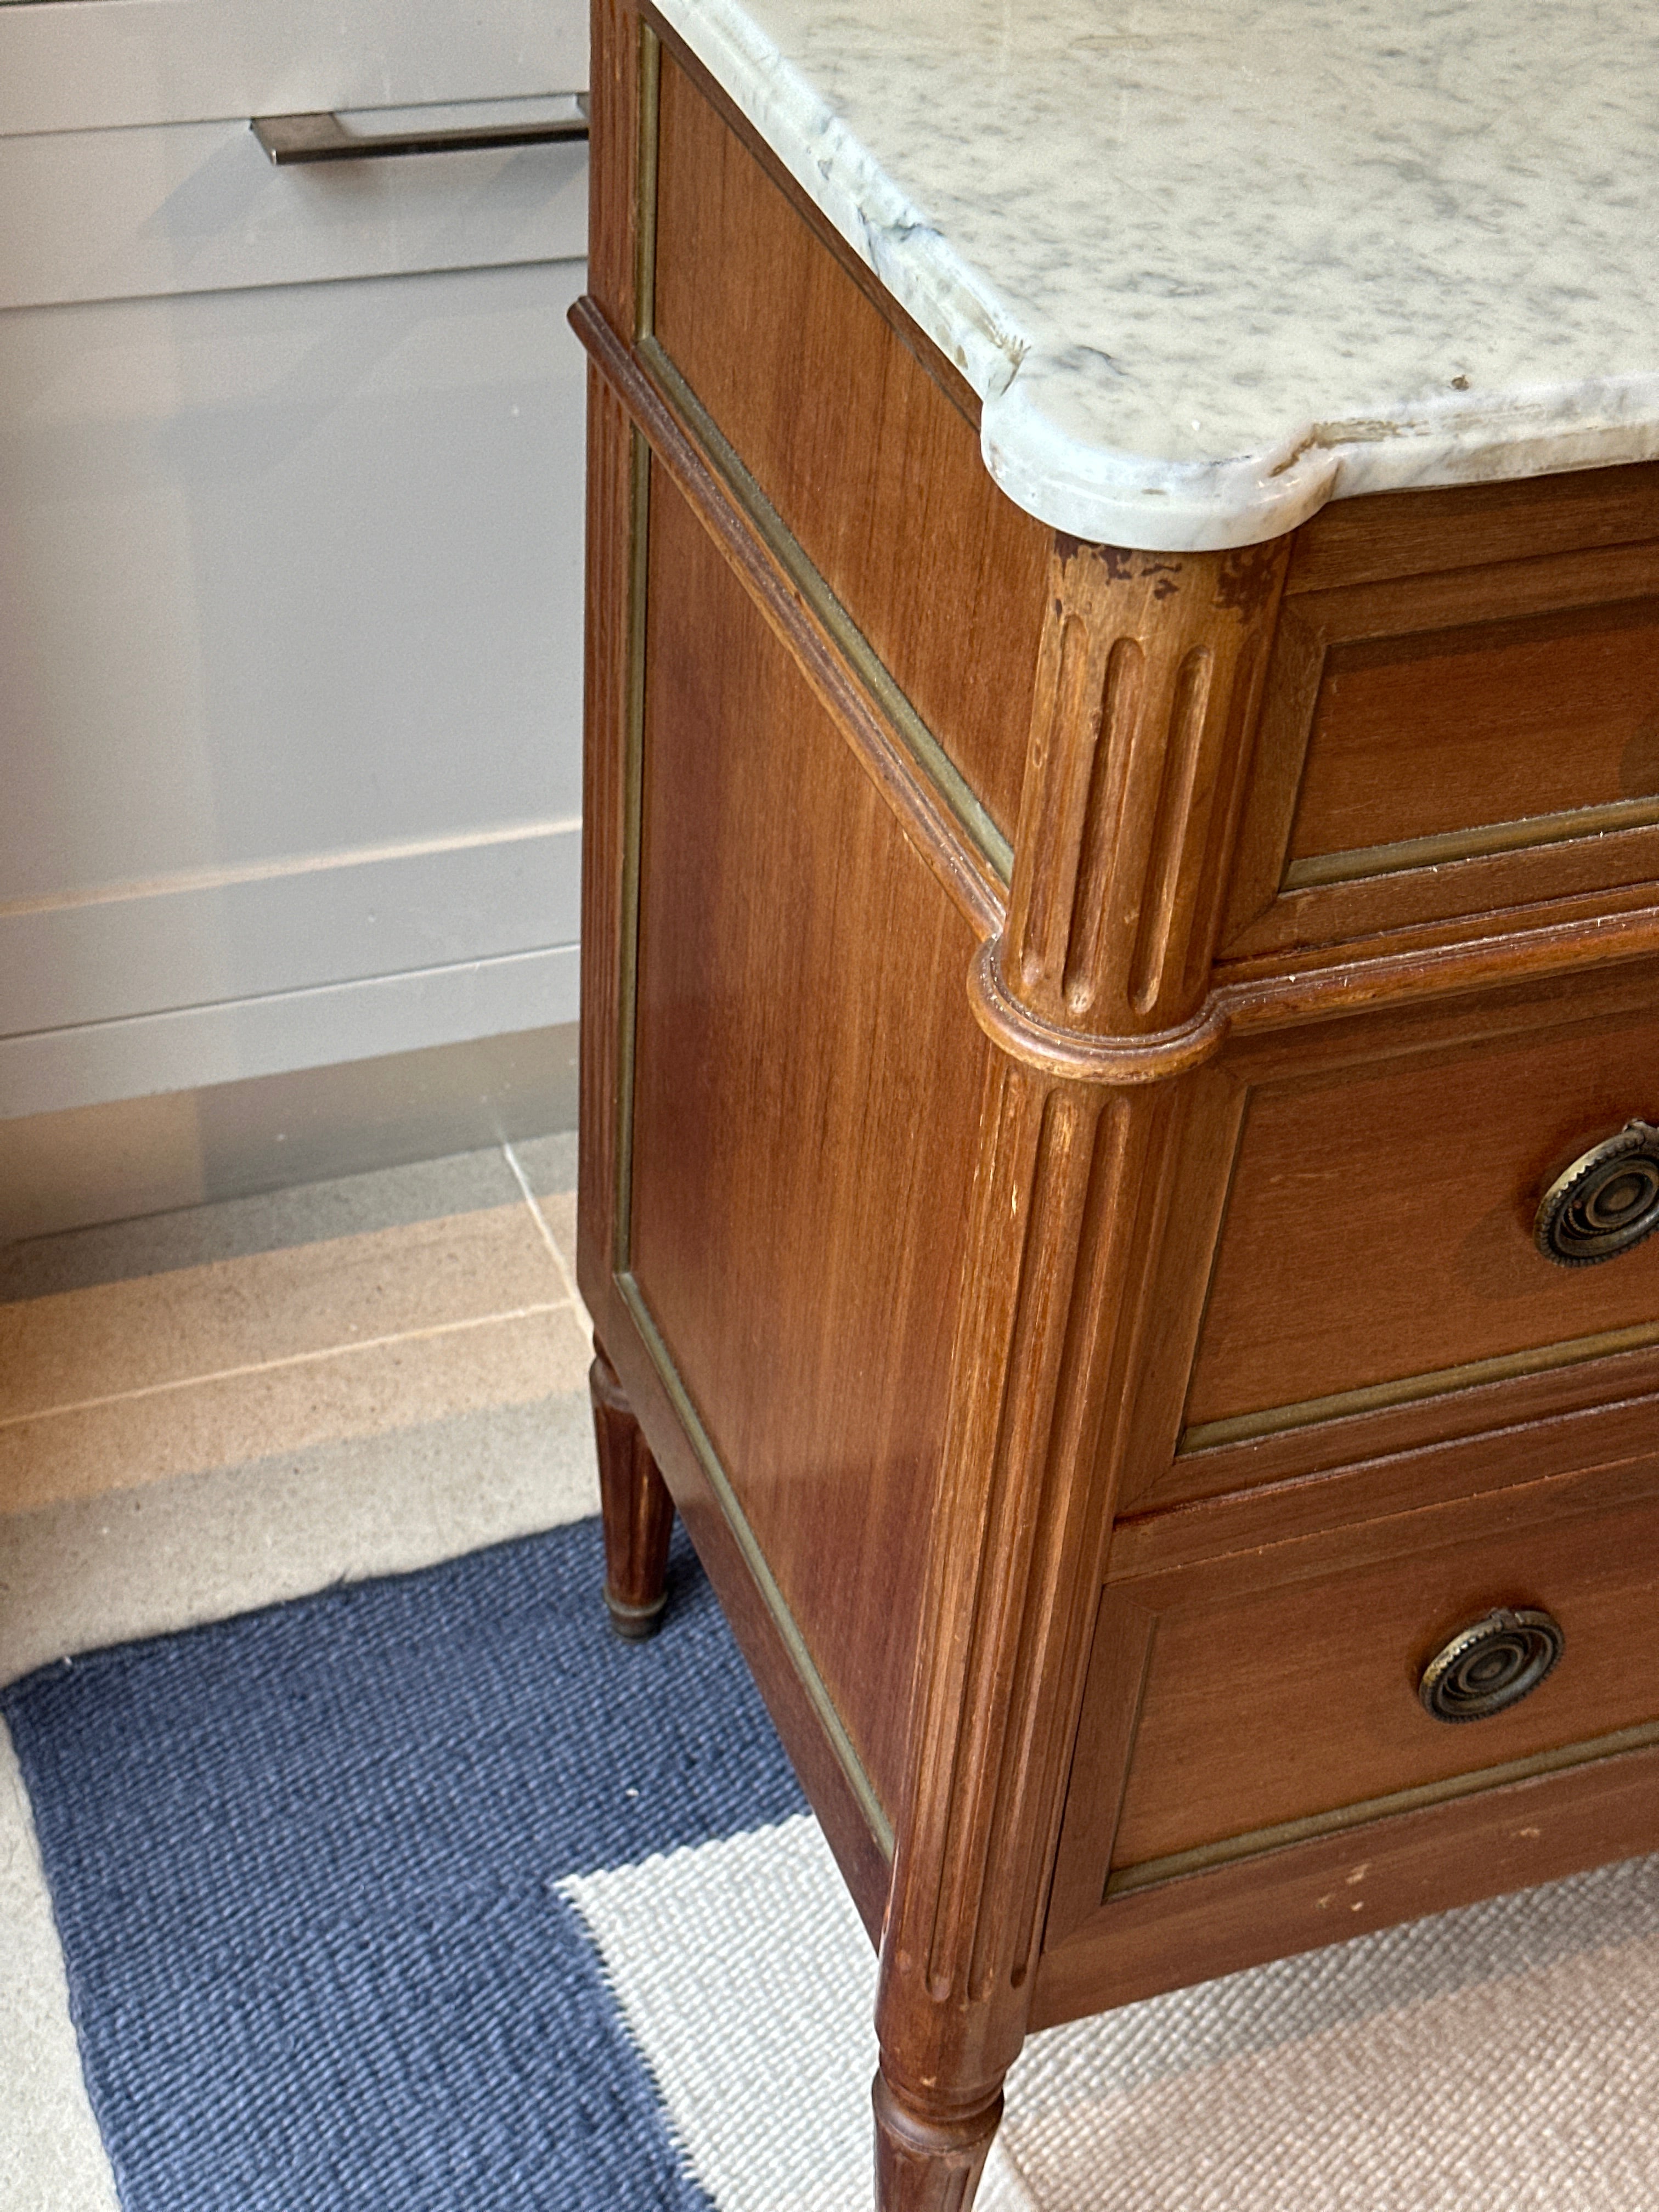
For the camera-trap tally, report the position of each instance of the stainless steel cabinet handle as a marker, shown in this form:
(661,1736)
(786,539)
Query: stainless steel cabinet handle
(324,138)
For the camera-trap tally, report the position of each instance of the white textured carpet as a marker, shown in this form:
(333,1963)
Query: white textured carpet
(50,2158)
(1498,2060)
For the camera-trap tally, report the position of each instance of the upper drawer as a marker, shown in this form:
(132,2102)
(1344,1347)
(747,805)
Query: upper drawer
(103,62)
(1353,1268)
(1379,1233)
(1435,746)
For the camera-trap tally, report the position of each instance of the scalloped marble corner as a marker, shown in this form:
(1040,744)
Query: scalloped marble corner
(1208,274)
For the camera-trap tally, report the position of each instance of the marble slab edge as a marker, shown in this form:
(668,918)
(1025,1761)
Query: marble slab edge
(1086,487)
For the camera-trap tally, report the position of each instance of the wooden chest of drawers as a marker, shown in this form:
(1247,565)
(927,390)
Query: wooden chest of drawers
(1077,1043)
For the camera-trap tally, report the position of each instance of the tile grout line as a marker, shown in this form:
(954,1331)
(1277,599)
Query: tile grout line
(584,1320)
(289,1359)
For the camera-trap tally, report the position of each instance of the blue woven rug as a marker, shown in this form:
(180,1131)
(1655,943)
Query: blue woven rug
(305,1862)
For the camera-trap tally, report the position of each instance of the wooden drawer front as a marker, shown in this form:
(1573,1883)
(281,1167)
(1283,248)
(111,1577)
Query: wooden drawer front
(877,473)
(1279,1688)
(1489,730)
(1377,1243)
(1442,744)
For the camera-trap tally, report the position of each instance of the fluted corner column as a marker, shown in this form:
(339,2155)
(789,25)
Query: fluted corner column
(1147,684)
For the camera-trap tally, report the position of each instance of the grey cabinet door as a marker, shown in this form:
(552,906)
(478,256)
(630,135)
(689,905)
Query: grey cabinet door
(290,542)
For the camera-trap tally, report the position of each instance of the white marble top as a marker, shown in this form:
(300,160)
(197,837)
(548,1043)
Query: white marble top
(1209,263)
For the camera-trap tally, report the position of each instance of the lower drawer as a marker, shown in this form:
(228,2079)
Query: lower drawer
(1254,1700)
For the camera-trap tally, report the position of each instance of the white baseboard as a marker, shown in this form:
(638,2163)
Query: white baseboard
(190,1048)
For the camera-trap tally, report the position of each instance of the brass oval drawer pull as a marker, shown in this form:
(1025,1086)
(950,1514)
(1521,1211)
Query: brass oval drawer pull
(1491,1665)
(1605,1203)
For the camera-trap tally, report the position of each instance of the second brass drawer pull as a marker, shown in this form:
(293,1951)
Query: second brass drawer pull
(1492,1665)
(1606,1203)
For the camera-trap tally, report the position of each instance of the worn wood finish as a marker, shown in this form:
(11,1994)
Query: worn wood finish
(799,1187)
(1414,766)
(1420,533)
(1323,1891)
(950,1187)
(924,2165)
(876,466)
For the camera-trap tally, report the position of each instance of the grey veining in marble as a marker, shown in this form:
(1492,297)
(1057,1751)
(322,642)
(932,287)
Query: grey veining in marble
(1211,265)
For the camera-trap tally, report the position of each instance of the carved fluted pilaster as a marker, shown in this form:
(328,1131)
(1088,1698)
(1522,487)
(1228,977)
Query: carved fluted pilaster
(1064,1176)
(1147,684)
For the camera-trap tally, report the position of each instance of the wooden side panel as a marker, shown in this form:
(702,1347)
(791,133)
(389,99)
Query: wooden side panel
(1380,1221)
(870,463)
(807,1080)
(609,550)
(613,200)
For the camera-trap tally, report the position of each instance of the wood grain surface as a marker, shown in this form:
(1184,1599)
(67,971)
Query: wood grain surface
(1004,1278)
(1379,1223)
(875,466)
(1523,718)
(1420,533)
(807,1078)
(1324,1669)
(1433,747)
(1336,1886)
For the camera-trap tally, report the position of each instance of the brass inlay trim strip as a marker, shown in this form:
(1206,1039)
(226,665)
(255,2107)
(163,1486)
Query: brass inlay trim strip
(1378,1397)
(1449,845)
(1128,1879)
(925,749)
(639,564)
(812,1682)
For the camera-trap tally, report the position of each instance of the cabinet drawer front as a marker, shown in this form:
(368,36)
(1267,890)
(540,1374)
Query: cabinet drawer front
(1449,742)
(196,207)
(1253,1701)
(1377,1246)
(1437,745)
(107,64)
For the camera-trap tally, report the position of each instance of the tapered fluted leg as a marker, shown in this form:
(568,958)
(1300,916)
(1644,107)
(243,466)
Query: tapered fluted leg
(925,2164)
(639,1513)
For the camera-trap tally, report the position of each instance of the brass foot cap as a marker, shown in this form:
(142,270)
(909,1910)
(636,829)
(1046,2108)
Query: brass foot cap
(634,1623)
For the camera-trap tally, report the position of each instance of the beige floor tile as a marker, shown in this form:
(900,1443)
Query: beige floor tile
(232,1228)
(307,1399)
(559,1211)
(95,1343)
(87,1571)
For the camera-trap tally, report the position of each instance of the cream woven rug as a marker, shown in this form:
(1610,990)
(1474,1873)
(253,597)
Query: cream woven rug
(1501,2057)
